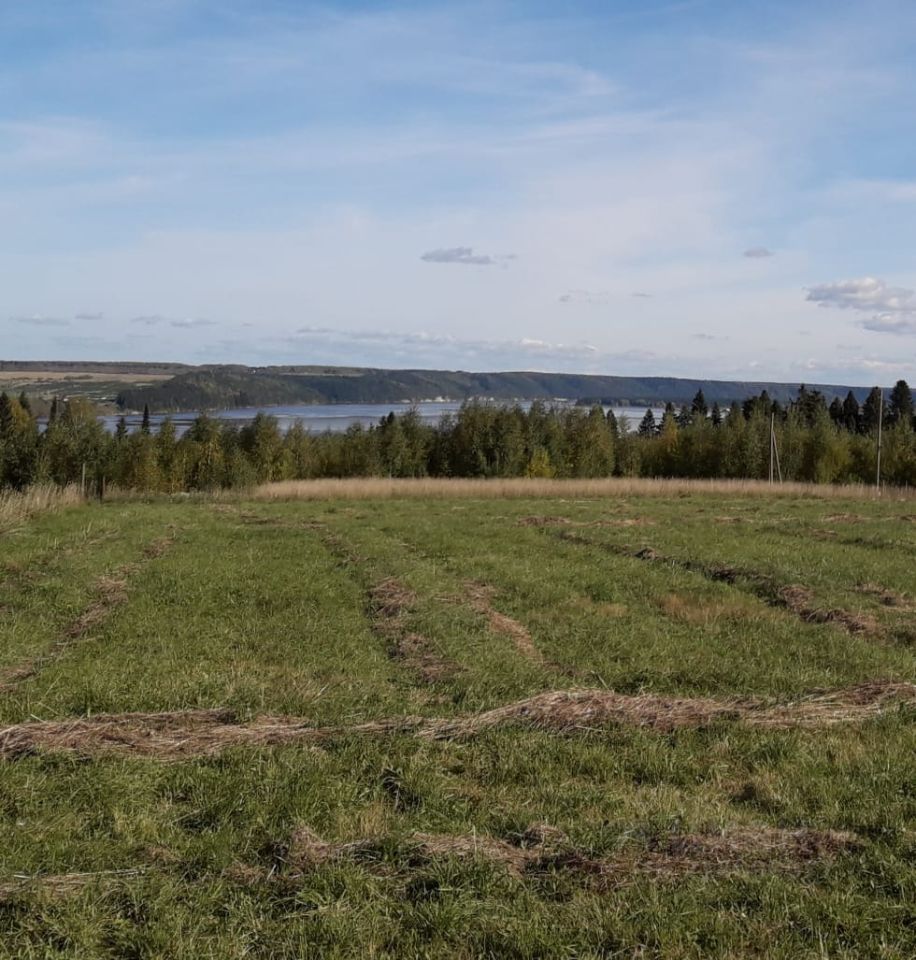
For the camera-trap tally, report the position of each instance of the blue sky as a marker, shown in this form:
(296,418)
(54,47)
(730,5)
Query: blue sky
(699,187)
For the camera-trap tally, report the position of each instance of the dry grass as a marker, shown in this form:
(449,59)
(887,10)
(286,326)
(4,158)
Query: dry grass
(704,613)
(544,848)
(61,884)
(480,597)
(568,711)
(389,602)
(887,597)
(795,598)
(109,591)
(538,521)
(800,601)
(17,508)
(191,733)
(381,488)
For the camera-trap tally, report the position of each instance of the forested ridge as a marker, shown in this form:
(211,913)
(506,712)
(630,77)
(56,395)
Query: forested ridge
(816,442)
(215,387)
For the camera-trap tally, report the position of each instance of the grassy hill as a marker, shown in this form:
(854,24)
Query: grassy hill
(222,387)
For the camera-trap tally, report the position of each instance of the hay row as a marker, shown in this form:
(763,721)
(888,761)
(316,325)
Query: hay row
(61,884)
(542,848)
(480,597)
(796,599)
(109,592)
(390,602)
(194,733)
(550,521)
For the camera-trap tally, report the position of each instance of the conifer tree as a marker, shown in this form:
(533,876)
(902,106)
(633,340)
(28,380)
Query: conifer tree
(647,424)
(871,411)
(851,413)
(698,406)
(900,404)
(6,414)
(612,424)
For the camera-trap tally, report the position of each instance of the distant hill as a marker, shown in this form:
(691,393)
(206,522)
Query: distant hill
(221,387)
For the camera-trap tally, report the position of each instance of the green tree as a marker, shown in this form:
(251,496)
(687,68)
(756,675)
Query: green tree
(591,444)
(852,415)
(647,426)
(871,411)
(262,445)
(900,404)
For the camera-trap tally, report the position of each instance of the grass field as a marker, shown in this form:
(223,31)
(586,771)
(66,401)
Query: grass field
(634,725)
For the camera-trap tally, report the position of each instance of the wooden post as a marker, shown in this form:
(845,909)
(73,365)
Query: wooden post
(83,480)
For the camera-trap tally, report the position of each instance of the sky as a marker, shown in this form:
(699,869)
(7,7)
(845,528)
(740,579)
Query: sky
(637,187)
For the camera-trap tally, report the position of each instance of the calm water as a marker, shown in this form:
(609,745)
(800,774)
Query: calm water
(335,417)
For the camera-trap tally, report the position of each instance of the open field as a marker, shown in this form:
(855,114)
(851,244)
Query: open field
(98,386)
(658,722)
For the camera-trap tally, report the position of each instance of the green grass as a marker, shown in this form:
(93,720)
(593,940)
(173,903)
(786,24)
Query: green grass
(265,608)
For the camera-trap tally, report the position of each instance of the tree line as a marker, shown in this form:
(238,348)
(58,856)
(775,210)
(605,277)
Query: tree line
(816,443)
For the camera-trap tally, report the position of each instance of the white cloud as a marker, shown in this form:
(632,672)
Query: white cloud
(897,305)
(191,323)
(39,321)
(899,323)
(423,341)
(185,323)
(593,297)
(867,293)
(758,253)
(465,255)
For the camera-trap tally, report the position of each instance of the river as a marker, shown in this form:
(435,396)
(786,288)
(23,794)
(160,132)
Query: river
(335,417)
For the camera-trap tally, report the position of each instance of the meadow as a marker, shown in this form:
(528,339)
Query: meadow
(623,720)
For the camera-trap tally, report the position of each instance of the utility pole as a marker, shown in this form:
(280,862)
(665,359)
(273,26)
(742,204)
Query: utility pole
(772,446)
(880,425)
